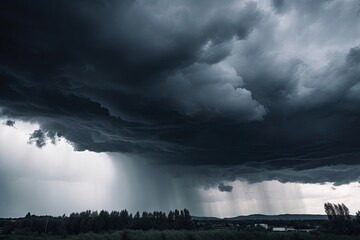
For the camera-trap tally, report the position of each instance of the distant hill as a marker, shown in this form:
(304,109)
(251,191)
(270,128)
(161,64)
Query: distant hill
(259,217)
(205,218)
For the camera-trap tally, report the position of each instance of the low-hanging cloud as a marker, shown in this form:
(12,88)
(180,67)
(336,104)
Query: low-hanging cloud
(38,137)
(236,84)
(225,188)
(9,123)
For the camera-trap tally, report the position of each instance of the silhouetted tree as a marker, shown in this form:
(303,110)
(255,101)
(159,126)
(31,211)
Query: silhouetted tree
(187,220)
(176,219)
(124,218)
(170,220)
(339,217)
(357,217)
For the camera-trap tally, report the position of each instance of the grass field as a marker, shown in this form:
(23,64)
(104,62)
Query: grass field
(190,235)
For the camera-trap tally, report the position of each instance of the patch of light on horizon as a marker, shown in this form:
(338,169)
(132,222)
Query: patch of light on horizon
(52,180)
(273,197)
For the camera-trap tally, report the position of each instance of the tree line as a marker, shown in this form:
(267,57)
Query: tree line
(93,221)
(340,220)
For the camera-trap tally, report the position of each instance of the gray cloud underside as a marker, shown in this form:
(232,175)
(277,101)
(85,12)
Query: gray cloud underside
(10,123)
(225,188)
(210,177)
(236,84)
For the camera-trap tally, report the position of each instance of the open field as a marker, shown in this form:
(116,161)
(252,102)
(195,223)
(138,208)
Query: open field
(189,235)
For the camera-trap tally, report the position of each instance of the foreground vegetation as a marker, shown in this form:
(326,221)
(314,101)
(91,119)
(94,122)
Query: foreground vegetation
(92,221)
(178,225)
(224,234)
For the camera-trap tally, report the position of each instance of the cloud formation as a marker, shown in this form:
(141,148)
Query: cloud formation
(225,188)
(10,123)
(237,84)
(37,137)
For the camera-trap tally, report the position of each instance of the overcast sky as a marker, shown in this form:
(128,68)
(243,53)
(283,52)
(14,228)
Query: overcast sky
(224,107)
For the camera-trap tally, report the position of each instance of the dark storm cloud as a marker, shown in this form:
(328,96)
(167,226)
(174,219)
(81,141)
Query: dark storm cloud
(38,137)
(189,82)
(278,5)
(225,188)
(10,123)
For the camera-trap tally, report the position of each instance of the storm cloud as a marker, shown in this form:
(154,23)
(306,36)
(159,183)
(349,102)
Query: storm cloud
(225,188)
(268,86)
(10,123)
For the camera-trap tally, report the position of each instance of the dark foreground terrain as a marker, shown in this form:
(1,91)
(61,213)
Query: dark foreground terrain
(177,225)
(190,235)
